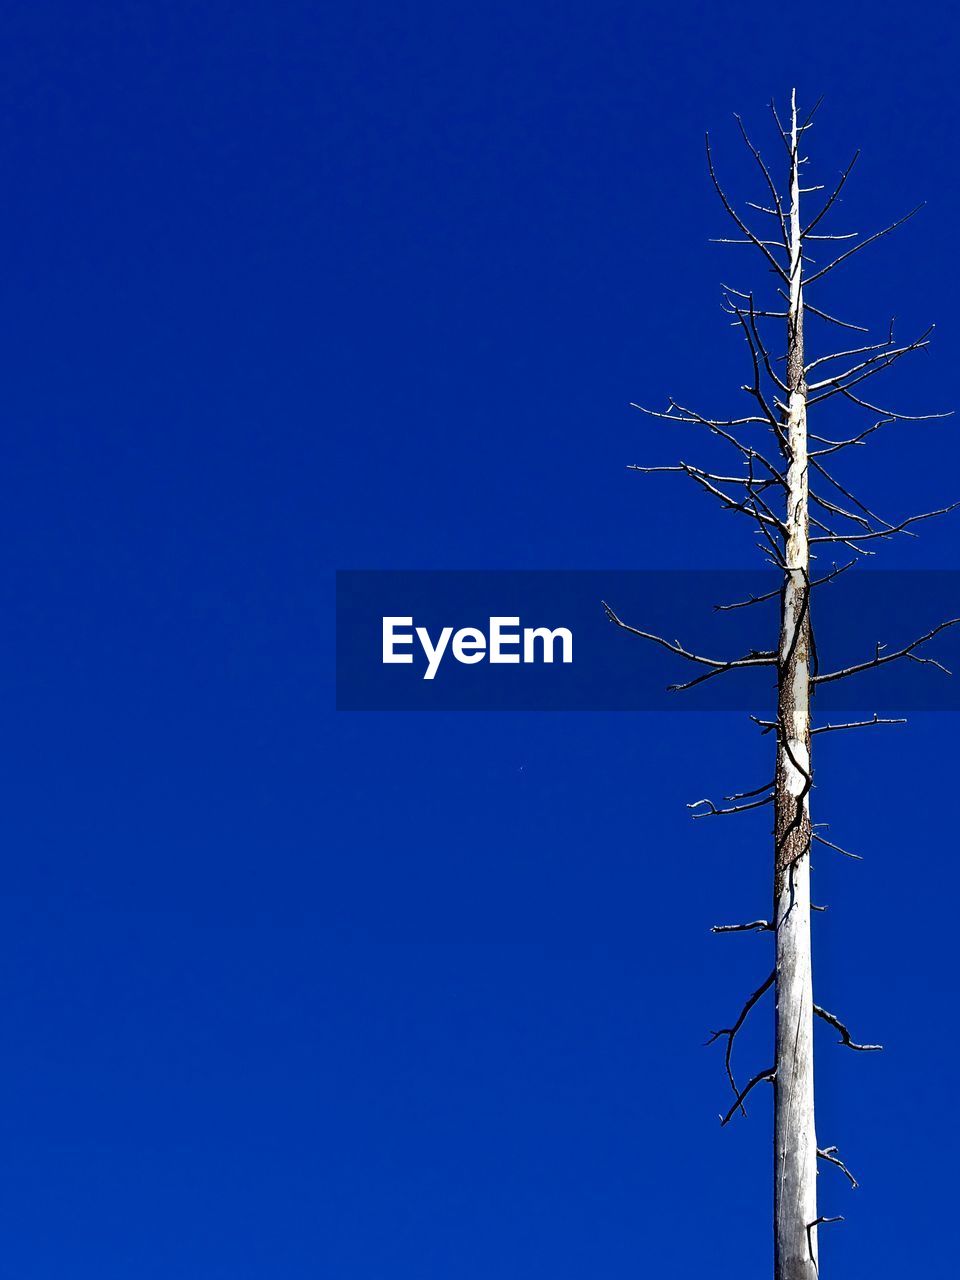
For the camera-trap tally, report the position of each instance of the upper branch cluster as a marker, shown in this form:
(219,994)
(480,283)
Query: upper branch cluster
(755,488)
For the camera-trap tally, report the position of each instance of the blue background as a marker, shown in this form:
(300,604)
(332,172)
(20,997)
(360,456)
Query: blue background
(288,288)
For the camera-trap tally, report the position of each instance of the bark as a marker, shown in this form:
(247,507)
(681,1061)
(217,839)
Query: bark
(795,1142)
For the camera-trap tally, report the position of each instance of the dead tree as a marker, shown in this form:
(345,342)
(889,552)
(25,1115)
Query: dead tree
(799,509)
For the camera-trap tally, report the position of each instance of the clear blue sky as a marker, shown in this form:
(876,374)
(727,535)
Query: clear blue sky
(293,287)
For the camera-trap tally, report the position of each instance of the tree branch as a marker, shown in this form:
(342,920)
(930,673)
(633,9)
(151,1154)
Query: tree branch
(844,1033)
(867,368)
(889,530)
(770,1074)
(714,812)
(882,659)
(891,415)
(738,220)
(752,659)
(836,445)
(688,416)
(731,1033)
(841,324)
(771,185)
(830,845)
(853,351)
(854,724)
(831,1155)
(877,235)
(812,1226)
(705,480)
(833,198)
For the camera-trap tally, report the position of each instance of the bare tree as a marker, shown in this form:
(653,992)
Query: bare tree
(793,520)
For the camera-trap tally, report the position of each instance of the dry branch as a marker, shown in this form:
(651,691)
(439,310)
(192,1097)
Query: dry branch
(831,1155)
(845,1037)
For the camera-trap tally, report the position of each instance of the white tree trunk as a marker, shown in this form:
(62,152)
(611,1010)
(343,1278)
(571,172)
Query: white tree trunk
(795,1142)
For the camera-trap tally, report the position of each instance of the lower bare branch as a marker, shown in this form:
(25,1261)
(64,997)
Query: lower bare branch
(831,1155)
(845,1037)
(731,1033)
(818,1222)
(770,1074)
(758,926)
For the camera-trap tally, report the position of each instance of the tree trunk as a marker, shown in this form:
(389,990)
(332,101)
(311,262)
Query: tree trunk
(795,1142)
